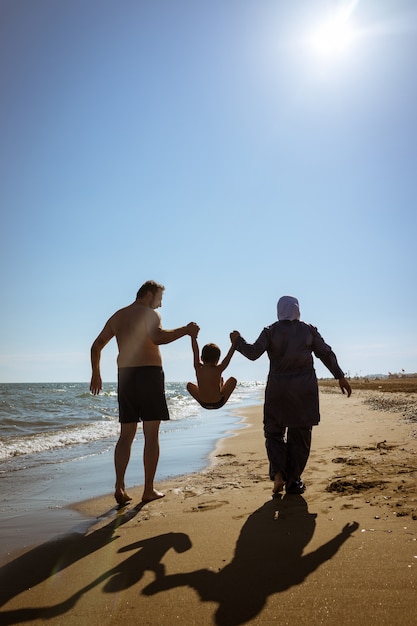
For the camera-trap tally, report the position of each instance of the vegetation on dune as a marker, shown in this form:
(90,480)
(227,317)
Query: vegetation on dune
(390,384)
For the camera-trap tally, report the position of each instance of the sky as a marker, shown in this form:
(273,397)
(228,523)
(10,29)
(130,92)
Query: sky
(233,150)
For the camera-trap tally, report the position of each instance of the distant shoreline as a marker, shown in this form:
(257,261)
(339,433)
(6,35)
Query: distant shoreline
(389,384)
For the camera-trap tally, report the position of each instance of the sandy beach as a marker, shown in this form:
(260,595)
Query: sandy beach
(218,549)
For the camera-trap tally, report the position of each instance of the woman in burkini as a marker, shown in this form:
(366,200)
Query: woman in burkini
(291,406)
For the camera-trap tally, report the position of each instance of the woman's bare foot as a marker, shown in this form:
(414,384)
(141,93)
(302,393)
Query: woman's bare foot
(279,483)
(121,497)
(153,495)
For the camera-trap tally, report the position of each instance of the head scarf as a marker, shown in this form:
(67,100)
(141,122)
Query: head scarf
(288,308)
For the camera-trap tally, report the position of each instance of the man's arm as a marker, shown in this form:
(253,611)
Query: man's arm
(160,336)
(98,345)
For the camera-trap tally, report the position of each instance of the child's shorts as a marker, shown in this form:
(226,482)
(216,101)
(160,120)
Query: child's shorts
(213,405)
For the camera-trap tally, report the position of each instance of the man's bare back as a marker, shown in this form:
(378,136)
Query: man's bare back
(134,327)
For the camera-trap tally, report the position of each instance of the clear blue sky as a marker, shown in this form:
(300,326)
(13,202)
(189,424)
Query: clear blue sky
(208,145)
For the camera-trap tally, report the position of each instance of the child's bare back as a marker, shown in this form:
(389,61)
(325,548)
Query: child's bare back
(211,392)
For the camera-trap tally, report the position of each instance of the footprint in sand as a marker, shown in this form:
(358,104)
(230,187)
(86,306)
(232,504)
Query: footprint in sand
(208,506)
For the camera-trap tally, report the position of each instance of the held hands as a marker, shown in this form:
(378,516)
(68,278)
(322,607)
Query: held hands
(344,386)
(234,336)
(193,329)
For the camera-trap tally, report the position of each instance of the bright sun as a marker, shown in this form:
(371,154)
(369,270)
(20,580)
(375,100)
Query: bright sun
(333,36)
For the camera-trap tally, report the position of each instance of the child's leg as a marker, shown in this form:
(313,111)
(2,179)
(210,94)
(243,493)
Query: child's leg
(193,391)
(228,388)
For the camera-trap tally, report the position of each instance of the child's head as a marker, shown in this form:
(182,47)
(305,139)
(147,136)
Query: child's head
(210,353)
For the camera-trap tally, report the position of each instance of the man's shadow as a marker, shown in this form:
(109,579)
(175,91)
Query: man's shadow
(268,559)
(48,559)
(42,563)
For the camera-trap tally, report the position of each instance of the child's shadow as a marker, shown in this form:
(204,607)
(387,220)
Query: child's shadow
(268,559)
(148,556)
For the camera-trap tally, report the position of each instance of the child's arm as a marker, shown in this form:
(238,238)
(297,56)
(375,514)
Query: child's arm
(229,355)
(196,352)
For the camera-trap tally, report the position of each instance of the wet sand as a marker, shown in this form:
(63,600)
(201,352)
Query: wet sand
(36,499)
(219,550)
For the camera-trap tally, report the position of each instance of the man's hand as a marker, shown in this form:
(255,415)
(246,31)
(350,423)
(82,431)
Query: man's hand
(193,329)
(344,386)
(96,384)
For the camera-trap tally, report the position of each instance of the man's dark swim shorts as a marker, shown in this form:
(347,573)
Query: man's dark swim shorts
(141,394)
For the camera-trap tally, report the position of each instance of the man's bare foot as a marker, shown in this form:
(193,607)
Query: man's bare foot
(154,495)
(279,483)
(121,497)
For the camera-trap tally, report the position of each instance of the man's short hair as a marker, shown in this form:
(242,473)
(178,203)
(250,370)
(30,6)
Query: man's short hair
(151,286)
(210,353)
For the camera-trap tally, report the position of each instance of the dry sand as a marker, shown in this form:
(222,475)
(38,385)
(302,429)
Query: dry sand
(219,550)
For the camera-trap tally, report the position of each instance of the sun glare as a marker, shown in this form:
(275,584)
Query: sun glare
(333,37)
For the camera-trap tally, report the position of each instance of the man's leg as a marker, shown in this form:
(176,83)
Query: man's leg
(121,459)
(150,459)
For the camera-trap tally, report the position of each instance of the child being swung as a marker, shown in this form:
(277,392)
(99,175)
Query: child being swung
(210,391)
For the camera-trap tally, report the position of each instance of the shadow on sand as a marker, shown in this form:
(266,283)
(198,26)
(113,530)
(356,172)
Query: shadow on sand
(268,559)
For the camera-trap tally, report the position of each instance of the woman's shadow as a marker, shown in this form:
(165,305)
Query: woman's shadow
(268,559)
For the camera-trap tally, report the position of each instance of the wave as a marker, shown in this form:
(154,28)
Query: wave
(103,394)
(71,436)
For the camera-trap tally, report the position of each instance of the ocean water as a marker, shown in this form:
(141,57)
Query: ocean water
(57,444)
(57,422)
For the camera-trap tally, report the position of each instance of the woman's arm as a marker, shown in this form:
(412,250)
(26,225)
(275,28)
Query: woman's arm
(253,351)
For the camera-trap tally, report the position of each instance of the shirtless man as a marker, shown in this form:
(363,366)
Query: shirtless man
(211,391)
(141,385)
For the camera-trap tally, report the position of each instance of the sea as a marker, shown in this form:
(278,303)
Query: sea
(57,443)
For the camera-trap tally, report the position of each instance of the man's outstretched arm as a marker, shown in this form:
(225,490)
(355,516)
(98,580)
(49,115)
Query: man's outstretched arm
(161,336)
